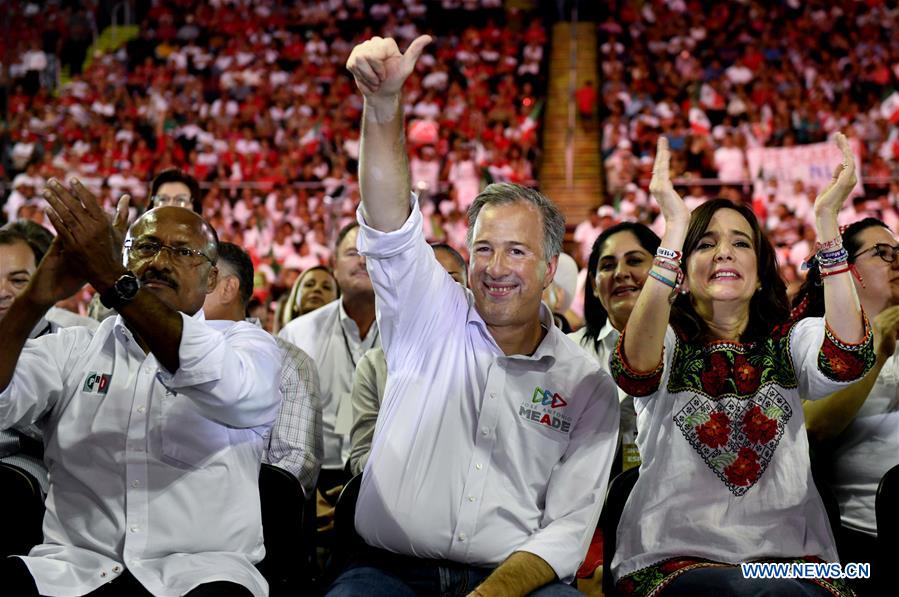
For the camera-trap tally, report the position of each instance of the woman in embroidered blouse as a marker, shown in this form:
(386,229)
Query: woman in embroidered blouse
(861,422)
(725,476)
(616,271)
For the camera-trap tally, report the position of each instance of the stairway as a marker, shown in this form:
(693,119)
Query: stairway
(585,193)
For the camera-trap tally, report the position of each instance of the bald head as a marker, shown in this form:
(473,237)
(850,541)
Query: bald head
(177,217)
(173,251)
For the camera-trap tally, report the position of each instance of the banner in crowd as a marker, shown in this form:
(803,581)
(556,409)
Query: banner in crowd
(813,164)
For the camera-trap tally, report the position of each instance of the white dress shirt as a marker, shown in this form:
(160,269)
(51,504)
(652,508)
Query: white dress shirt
(866,450)
(476,454)
(149,471)
(608,339)
(332,339)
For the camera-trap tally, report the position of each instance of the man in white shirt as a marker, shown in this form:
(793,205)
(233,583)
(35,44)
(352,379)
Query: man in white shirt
(336,336)
(295,441)
(153,424)
(490,457)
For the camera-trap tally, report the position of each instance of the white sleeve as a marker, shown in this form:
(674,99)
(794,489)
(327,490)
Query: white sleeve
(415,298)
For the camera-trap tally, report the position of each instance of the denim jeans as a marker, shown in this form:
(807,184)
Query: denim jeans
(379,573)
(717,582)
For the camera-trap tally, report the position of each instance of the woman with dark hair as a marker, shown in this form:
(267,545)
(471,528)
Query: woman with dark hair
(616,271)
(725,475)
(860,423)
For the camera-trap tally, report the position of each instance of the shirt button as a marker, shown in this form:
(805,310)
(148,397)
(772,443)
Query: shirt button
(135,483)
(471,498)
(115,568)
(461,536)
(484,431)
(492,395)
(135,529)
(141,409)
(477,466)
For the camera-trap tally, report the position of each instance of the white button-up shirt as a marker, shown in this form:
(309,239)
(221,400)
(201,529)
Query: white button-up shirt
(153,472)
(331,338)
(867,449)
(477,454)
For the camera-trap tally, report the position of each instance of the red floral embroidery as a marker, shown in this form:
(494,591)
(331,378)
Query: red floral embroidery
(843,365)
(714,378)
(745,469)
(746,375)
(757,427)
(715,431)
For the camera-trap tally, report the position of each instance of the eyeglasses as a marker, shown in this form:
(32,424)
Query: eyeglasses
(149,249)
(882,250)
(176,201)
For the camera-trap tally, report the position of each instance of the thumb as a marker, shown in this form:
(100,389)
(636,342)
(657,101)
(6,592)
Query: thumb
(414,51)
(121,214)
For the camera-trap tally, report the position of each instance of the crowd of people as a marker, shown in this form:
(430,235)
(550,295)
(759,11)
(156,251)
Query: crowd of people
(721,78)
(423,349)
(265,119)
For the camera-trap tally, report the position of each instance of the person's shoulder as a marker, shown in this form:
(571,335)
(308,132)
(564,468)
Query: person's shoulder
(65,319)
(569,351)
(292,352)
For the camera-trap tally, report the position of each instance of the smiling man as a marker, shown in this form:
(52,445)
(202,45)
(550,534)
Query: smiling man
(492,417)
(336,336)
(149,421)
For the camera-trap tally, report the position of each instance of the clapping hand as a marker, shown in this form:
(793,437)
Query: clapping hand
(831,199)
(88,241)
(380,69)
(660,187)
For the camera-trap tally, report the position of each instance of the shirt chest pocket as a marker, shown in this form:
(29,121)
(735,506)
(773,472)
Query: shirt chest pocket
(187,437)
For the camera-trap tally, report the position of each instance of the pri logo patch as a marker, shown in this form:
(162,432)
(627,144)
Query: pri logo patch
(546,408)
(97,383)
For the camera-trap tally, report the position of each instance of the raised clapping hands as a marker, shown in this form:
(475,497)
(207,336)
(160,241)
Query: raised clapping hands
(88,246)
(380,69)
(831,199)
(673,207)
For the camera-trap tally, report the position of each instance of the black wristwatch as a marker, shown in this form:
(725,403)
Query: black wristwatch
(121,293)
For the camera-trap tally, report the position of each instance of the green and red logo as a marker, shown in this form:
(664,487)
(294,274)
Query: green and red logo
(97,383)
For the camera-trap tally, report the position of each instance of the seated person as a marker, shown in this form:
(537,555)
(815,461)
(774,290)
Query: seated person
(725,475)
(858,427)
(295,442)
(497,432)
(371,373)
(153,423)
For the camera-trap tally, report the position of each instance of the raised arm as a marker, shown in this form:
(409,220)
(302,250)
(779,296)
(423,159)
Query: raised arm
(645,332)
(841,307)
(94,245)
(380,71)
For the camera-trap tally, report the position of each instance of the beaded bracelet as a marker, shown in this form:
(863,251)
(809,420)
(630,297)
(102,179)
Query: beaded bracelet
(832,258)
(669,264)
(669,254)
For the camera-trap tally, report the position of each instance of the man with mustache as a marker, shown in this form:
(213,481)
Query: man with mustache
(494,443)
(336,336)
(153,424)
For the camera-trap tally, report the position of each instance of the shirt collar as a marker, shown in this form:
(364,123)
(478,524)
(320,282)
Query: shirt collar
(545,352)
(607,330)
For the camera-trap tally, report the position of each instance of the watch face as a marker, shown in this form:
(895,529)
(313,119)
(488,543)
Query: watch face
(128,285)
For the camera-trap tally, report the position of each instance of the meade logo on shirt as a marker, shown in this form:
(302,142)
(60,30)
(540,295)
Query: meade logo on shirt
(545,408)
(96,382)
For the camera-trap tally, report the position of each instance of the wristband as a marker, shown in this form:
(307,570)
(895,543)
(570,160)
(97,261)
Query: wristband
(669,254)
(670,283)
(833,243)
